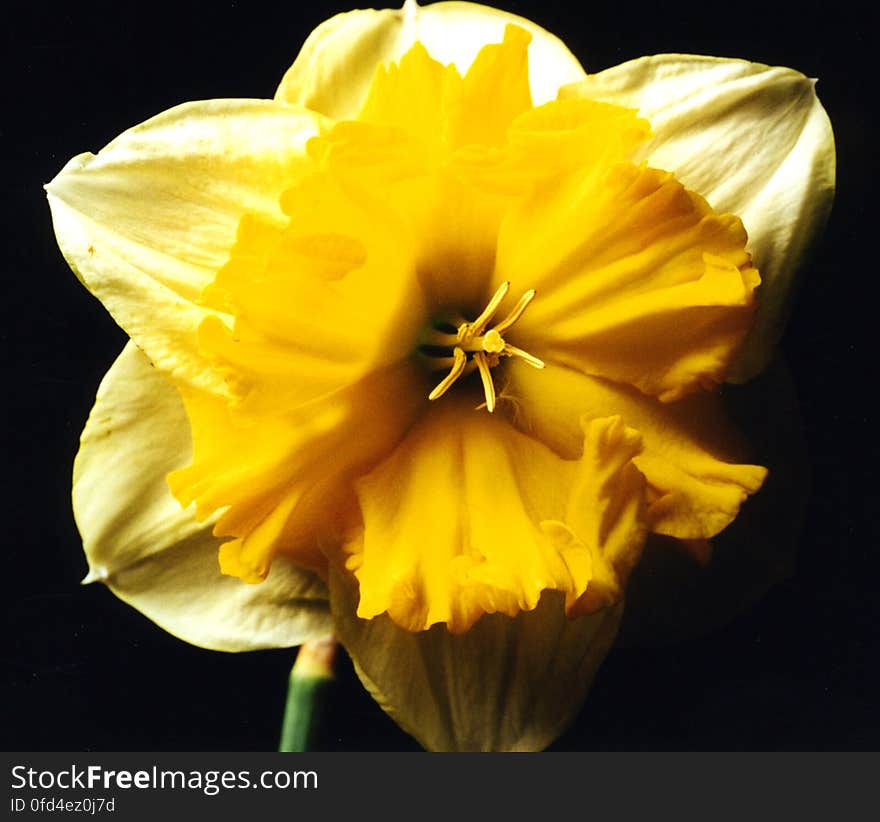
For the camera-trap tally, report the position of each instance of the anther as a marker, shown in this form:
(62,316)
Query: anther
(486,377)
(517,312)
(459,362)
(478,325)
(474,346)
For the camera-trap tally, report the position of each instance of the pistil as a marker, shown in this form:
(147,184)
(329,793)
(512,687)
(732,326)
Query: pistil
(475,346)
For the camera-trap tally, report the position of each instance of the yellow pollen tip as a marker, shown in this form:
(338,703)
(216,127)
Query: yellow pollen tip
(475,348)
(446,383)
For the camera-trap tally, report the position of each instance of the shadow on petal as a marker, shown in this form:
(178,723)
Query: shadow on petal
(671,597)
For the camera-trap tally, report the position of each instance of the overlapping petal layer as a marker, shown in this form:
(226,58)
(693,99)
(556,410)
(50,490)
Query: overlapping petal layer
(691,458)
(639,280)
(154,554)
(504,685)
(151,218)
(469,516)
(284,479)
(443,109)
(753,140)
(334,70)
(318,305)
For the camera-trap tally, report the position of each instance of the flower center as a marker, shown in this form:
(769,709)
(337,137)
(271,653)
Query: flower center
(475,346)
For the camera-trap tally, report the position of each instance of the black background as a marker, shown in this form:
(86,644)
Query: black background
(797,670)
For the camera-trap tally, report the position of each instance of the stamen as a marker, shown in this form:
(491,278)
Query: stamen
(513,351)
(478,325)
(486,377)
(517,312)
(473,347)
(460,361)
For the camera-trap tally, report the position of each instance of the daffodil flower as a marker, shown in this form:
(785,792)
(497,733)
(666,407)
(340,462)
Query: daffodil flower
(423,349)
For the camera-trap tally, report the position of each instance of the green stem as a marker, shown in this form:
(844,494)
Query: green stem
(307,689)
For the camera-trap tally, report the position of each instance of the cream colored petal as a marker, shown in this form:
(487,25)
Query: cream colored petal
(152,553)
(755,141)
(504,685)
(147,221)
(333,71)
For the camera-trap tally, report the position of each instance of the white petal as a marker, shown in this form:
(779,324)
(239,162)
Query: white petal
(147,222)
(754,141)
(152,553)
(503,685)
(333,71)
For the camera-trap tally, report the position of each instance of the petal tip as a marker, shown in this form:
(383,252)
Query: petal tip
(97,573)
